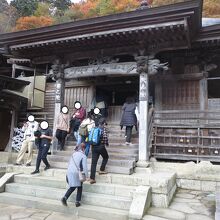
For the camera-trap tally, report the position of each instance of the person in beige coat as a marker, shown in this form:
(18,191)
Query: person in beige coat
(28,143)
(62,127)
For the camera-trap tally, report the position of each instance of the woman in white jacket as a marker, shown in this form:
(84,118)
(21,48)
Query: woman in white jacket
(77,161)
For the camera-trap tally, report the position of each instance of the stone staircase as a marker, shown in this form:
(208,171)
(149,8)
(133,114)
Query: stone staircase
(122,158)
(116,195)
(101,200)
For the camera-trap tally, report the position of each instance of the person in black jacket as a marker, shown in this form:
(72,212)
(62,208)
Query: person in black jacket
(43,137)
(129,118)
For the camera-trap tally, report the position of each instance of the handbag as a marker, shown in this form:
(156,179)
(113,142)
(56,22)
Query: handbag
(82,175)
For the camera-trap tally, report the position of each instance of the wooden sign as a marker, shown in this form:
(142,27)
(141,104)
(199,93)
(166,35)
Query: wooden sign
(117,69)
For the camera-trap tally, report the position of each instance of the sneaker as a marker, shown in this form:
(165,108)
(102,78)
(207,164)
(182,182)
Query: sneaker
(77,204)
(127,143)
(92,181)
(35,172)
(102,172)
(28,164)
(63,200)
(47,167)
(17,164)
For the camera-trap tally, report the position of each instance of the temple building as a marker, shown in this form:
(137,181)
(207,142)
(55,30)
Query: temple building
(162,56)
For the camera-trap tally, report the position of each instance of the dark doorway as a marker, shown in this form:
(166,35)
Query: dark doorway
(5,121)
(116,91)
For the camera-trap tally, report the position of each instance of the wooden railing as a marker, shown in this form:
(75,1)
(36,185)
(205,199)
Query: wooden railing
(188,118)
(187,135)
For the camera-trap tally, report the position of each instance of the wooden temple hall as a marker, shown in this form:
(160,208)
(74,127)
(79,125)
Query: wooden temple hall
(161,56)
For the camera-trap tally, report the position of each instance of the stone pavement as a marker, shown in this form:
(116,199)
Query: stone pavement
(10,212)
(186,205)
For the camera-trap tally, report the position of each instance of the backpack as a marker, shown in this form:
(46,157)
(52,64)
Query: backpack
(83,130)
(95,136)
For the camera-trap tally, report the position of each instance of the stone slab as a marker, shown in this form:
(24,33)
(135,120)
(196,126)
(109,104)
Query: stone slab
(8,177)
(151,217)
(167,213)
(198,217)
(140,203)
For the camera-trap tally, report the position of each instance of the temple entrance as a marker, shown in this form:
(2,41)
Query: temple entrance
(115,92)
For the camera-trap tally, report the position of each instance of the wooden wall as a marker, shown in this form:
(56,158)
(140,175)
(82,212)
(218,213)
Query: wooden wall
(180,95)
(79,92)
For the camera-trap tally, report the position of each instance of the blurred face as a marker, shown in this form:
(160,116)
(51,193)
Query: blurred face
(44,125)
(96,111)
(30,118)
(64,110)
(77,105)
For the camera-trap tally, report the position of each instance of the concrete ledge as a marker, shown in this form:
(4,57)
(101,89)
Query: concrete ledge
(140,203)
(8,177)
(203,176)
(163,200)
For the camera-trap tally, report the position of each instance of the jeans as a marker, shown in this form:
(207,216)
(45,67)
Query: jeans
(87,149)
(128,132)
(78,194)
(42,155)
(96,152)
(61,137)
(77,136)
(80,139)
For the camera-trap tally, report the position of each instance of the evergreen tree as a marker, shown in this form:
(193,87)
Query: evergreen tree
(25,7)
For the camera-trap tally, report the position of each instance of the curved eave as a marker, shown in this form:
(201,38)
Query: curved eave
(208,37)
(190,10)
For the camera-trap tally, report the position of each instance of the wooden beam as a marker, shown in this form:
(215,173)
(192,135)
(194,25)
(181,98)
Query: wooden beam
(23,68)
(175,77)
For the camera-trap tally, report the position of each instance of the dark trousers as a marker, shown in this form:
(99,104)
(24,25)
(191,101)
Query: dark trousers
(78,194)
(128,132)
(61,137)
(96,152)
(42,155)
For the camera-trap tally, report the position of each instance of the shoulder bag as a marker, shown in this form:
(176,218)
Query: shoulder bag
(82,175)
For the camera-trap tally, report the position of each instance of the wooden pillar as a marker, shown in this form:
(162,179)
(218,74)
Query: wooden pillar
(13,71)
(142,69)
(158,95)
(203,94)
(58,71)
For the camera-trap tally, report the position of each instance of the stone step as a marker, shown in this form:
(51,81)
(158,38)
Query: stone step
(163,184)
(112,139)
(112,155)
(112,144)
(114,162)
(109,168)
(101,200)
(100,188)
(112,149)
(55,205)
(121,145)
